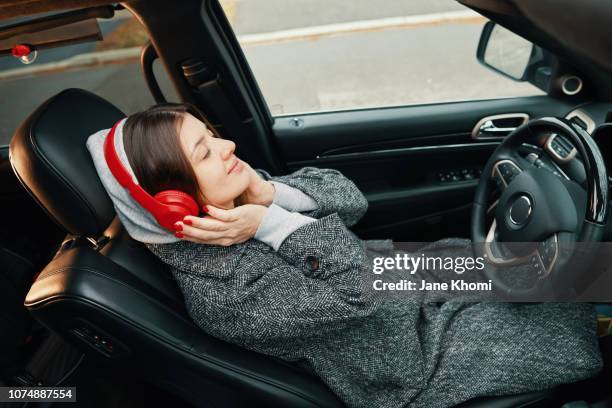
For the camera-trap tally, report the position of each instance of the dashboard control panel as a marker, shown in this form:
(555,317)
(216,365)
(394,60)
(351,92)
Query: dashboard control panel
(560,148)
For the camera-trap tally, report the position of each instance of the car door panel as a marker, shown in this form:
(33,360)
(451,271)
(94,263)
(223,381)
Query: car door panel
(396,156)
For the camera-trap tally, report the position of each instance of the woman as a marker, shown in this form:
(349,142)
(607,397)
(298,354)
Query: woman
(274,268)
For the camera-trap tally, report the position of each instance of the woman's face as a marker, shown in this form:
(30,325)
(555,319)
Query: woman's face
(222,177)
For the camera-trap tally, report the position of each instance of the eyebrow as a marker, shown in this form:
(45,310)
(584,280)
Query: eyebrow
(193,149)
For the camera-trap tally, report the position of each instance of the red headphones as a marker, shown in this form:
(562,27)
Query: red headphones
(167,206)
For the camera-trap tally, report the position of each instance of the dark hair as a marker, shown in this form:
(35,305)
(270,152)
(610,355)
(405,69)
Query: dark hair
(152,145)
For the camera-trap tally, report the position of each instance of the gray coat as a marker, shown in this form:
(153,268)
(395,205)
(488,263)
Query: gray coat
(309,302)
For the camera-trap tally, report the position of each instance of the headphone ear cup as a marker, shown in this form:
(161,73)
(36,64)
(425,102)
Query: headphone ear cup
(178,205)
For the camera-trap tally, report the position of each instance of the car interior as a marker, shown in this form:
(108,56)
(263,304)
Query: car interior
(93,308)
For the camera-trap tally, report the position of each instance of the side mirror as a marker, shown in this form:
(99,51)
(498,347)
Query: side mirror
(507,53)
(514,57)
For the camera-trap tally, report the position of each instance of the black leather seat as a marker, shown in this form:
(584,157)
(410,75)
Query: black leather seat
(108,294)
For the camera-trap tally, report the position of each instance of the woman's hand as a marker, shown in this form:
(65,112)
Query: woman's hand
(222,227)
(259,190)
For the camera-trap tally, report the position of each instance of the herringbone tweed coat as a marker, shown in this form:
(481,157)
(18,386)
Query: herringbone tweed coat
(309,303)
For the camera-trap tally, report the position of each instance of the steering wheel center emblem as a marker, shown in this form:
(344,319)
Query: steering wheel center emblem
(520,211)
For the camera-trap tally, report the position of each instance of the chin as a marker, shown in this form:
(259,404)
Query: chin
(246,179)
(240,189)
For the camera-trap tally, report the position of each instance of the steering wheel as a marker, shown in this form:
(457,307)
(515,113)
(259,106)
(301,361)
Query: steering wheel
(540,207)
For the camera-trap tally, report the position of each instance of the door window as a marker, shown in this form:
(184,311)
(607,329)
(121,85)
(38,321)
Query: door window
(327,55)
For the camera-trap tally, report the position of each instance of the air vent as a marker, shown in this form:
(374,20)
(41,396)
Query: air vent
(583,120)
(579,122)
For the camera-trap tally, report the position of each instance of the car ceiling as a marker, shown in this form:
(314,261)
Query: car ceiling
(581,25)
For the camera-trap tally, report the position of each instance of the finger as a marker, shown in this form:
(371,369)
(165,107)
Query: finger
(202,235)
(220,214)
(207,223)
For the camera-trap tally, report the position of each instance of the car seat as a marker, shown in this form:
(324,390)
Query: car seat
(110,296)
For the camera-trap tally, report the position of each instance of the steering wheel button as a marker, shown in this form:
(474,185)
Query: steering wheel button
(498,181)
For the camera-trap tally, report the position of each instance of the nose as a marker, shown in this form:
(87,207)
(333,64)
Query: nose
(227,149)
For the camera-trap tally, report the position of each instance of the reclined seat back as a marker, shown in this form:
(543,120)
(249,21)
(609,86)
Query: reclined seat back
(110,296)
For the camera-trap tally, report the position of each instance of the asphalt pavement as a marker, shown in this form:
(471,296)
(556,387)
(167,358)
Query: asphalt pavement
(258,16)
(380,68)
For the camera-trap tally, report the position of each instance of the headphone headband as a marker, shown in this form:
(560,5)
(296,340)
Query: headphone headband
(167,206)
(124,178)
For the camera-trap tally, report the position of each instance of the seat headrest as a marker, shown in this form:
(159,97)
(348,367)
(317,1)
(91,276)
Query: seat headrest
(50,158)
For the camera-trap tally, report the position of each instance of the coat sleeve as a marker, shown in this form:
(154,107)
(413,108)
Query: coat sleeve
(319,288)
(332,191)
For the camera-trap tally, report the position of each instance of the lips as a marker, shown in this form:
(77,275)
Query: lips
(233,166)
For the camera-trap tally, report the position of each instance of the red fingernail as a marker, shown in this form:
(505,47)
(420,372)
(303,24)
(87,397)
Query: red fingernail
(178,234)
(177,226)
(205,208)
(188,222)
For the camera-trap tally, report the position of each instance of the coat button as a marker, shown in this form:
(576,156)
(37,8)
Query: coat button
(312,263)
